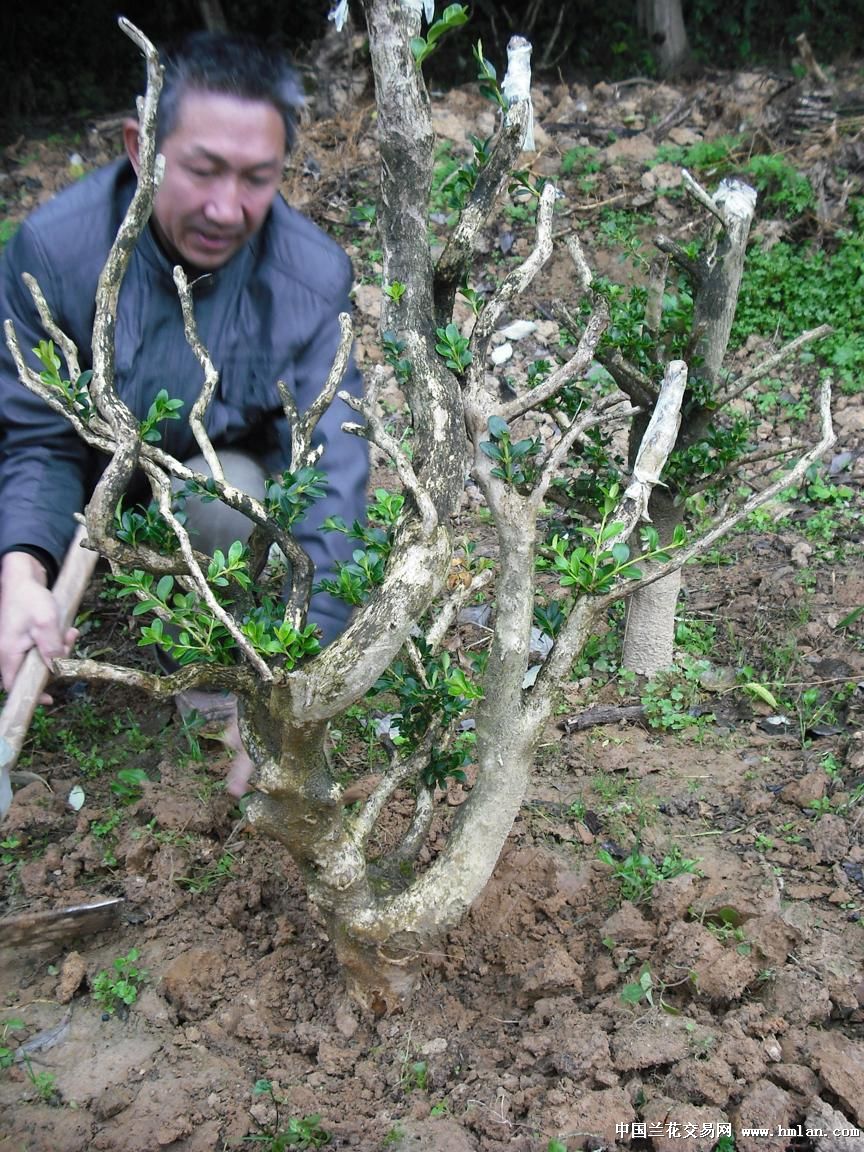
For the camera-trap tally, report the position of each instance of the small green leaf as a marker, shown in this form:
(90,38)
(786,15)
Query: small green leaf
(164,587)
(632,993)
(849,619)
(760,691)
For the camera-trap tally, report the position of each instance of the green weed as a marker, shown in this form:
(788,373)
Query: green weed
(127,784)
(697,637)
(8,847)
(652,992)
(783,189)
(297,1133)
(219,870)
(638,875)
(7,1054)
(120,986)
(670,700)
(581,160)
(415,1076)
(45,1084)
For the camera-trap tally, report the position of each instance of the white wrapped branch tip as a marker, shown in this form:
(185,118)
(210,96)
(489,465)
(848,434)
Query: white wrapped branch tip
(339,14)
(517,83)
(427,7)
(660,435)
(735,198)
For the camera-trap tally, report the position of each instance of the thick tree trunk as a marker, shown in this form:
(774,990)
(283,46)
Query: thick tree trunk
(649,634)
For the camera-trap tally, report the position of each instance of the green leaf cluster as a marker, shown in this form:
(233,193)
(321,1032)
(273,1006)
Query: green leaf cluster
(453,16)
(595,566)
(453,347)
(515,461)
(270,634)
(127,784)
(75,394)
(355,580)
(185,629)
(141,526)
(670,700)
(444,697)
(721,446)
(288,498)
(393,349)
(638,874)
(111,989)
(163,408)
(395,291)
(487,78)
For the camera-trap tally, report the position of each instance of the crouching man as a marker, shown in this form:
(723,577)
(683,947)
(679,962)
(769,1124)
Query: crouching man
(268,286)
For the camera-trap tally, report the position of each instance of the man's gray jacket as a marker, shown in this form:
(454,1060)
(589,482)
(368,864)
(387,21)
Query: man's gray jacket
(270,314)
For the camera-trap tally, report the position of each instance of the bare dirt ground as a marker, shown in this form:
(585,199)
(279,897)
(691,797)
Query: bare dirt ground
(729,997)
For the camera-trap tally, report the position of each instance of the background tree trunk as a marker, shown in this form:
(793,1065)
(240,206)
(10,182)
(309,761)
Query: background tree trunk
(663,24)
(650,635)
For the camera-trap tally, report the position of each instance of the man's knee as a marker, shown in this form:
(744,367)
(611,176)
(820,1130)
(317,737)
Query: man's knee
(212,524)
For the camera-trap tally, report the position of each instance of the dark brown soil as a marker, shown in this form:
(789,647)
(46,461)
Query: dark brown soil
(750,965)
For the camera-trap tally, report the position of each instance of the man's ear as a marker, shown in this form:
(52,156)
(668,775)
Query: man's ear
(130,142)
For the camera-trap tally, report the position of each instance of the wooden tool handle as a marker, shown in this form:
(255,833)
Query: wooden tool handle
(33,675)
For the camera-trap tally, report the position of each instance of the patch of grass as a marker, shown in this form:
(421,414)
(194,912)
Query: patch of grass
(213,874)
(623,808)
(787,289)
(783,189)
(105,830)
(670,699)
(622,231)
(95,742)
(705,156)
(697,637)
(583,159)
(774,401)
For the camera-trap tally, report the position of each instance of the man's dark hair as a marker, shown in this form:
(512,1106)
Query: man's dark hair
(233,66)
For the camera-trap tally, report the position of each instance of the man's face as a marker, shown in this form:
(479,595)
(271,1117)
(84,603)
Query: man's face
(223,165)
